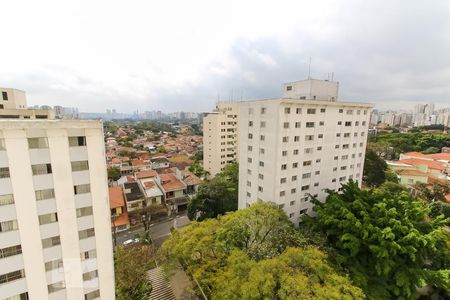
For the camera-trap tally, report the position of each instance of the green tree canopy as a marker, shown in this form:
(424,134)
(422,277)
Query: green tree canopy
(216,196)
(114,173)
(386,240)
(374,169)
(131,264)
(254,253)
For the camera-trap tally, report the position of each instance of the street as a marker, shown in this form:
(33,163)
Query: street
(159,232)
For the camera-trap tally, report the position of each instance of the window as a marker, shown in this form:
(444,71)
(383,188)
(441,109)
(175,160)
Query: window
(11,276)
(341,111)
(305,187)
(338,134)
(281,206)
(295,152)
(286,125)
(342,178)
(320,136)
(8,226)
(90,275)
(48,218)
(285,139)
(316,184)
(295,165)
(263,110)
(87,233)
(249,172)
(348,123)
(261,164)
(303,211)
(364,123)
(362,133)
(321,123)
(349,112)
(249,148)
(289,88)
(311,111)
(333,180)
(296,138)
(318,160)
(356,123)
(287,110)
(37,143)
(308,150)
(284,153)
(262,124)
(5,96)
(44,194)
(50,242)
(260,189)
(262,150)
(291,215)
(306,175)
(339,122)
(292,203)
(250,136)
(248,195)
(76,141)
(262,138)
(319,148)
(53,264)
(298,111)
(283,180)
(309,138)
(344,157)
(317,172)
(250,111)
(4,172)
(344,168)
(334,169)
(41,169)
(249,183)
(345,146)
(294,178)
(6,199)
(54,287)
(88,254)
(309,124)
(84,211)
(336,146)
(335,158)
(284,167)
(297,124)
(365,112)
(82,189)
(10,251)
(250,123)
(92,295)
(307,163)
(282,193)
(347,134)
(260,176)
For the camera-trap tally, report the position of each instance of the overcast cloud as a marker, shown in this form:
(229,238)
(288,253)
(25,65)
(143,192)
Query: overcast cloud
(183,55)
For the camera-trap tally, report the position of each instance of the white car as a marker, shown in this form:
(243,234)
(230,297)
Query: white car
(130,242)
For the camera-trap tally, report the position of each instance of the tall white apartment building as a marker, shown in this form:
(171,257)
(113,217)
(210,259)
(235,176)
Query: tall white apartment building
(220,137)
(55,240)
(301,144)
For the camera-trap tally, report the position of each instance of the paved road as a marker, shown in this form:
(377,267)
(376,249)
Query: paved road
(159,232)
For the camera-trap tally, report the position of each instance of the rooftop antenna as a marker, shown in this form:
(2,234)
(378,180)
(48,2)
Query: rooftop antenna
(309,68)
(332,76)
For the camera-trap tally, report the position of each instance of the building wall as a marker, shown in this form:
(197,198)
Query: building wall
(265,144)
(26,209)
(411,179)
(220,137)
(16,99)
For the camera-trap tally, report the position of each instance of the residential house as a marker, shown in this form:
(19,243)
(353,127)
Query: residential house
(148,181)
(160,162)
(173,189)
(134,197)
(119,214)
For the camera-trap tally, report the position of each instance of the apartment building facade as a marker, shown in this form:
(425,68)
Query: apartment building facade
(220,137)
(300,145)
(55,219)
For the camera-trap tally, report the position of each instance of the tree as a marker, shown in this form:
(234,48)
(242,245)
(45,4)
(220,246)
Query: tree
(254,253)
(374,169)
(216,196)
(131,264)
(114,173)
(386,240)
(161,149)
(197,169)
(435,196)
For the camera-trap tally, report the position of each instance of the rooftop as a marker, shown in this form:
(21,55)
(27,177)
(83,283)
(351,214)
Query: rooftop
(170,183)
(116,198)
(132,191)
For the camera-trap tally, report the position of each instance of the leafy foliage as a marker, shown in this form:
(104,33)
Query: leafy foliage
(385,239)
(217,196)
(254,253)
(131,266)
(374,169)
(114,173)
(197,169)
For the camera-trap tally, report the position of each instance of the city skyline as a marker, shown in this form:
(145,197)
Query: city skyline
(82,55)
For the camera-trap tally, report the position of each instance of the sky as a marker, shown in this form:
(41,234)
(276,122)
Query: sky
(184,55)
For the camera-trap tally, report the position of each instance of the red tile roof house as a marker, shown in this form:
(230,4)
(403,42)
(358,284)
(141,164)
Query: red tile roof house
(174,191)
(119,214)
